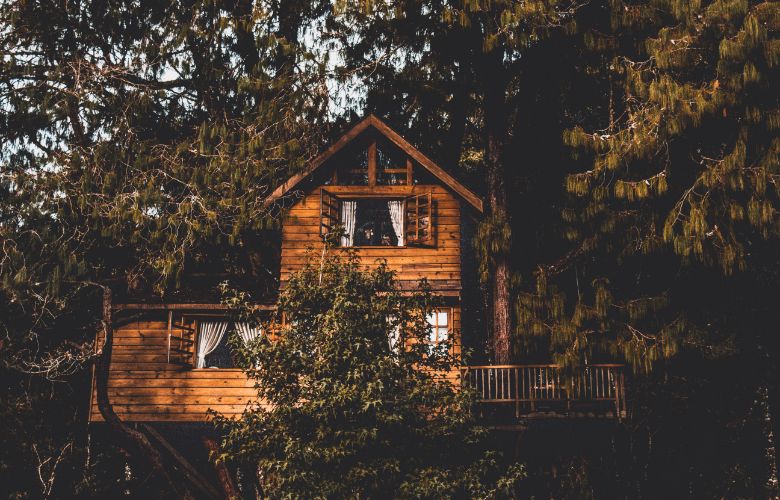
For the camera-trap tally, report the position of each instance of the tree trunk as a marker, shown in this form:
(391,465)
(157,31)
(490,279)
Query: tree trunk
(133,442)
(495,126)
(773,400)
(223,474)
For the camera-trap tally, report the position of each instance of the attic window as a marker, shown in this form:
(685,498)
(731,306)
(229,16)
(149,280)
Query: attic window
(374,163)
(354,171)
(393,167)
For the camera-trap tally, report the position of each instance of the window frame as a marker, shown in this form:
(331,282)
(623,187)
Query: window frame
(450,325)
(328,205)
(231,328)
(350,197)
(373,170)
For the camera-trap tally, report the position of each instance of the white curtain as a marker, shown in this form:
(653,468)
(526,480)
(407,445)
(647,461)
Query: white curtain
(394,336)
(210,334)
(348,210)
(396,208)
(248,333)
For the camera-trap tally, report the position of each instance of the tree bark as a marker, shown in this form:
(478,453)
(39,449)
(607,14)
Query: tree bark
(135,443)
(495,127)
(225,479)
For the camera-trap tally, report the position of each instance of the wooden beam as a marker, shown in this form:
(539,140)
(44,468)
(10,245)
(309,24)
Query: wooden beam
(409,171)
(372,164)
(188,469)
(186,307)
(403,144)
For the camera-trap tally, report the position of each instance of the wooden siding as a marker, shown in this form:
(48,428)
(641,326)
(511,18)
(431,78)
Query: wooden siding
(439,262)
(144,387)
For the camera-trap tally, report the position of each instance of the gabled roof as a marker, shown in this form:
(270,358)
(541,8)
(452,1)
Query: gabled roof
(394,137)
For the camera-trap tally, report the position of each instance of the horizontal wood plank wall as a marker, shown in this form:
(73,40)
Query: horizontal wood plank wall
(144,387)
(439,262)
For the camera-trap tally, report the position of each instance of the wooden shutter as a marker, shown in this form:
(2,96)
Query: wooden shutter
(181,341)
(330,212)
(419,218)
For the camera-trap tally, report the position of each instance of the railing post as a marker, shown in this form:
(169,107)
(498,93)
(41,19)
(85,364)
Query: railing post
(532,388)
(622,394)
(517,393)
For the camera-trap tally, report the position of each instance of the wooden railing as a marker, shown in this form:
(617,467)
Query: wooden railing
(596,389)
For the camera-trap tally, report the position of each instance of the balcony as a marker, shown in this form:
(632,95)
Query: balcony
(540,391)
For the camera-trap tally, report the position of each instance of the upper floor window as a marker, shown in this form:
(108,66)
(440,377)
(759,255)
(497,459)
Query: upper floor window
(376,221)
(372,222)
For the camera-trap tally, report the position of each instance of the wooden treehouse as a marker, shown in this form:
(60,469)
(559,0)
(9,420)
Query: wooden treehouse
(172,362)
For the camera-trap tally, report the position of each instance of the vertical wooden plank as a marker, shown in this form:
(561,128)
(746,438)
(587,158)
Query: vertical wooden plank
(409,172)
(372,164)
(483,384)
(170,326)
(523,384)
(417,218)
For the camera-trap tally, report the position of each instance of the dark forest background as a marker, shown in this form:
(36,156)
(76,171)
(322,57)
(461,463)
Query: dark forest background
(627,150)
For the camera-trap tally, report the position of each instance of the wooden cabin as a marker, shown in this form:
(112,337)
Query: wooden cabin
(171,362)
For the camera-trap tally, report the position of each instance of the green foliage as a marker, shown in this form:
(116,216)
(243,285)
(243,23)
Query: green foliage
(139,143)
(697,142)
(354,402)
(150,133)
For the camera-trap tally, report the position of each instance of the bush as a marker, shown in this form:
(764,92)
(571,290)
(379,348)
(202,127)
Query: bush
(349,414)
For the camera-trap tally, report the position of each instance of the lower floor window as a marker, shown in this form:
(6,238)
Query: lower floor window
(213,348)
(440,323)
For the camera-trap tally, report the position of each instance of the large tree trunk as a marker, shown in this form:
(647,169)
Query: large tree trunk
(773,403)
(495,127)
(133,442)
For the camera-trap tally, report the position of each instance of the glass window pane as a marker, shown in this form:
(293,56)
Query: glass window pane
(390,164)
(372,224)
(432,336)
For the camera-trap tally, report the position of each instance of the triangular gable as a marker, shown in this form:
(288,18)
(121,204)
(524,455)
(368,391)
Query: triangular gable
(395,138)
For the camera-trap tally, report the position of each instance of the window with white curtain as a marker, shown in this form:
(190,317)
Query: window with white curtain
(212,348)
(372,222)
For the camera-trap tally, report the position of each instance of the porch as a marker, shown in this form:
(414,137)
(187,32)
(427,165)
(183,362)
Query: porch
(547,391)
